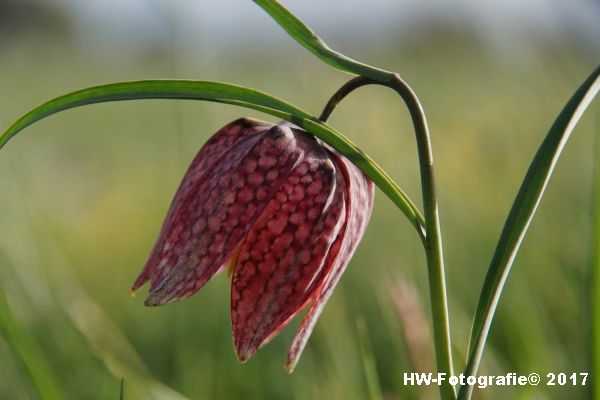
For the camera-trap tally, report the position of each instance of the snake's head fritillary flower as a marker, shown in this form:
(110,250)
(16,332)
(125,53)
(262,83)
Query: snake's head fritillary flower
(285,211)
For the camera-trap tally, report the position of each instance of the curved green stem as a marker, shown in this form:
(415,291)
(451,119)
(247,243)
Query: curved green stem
(313,43)
(432,240)
(305,36)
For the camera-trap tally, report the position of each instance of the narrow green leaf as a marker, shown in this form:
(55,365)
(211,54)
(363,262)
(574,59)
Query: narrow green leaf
(368,360)
(228,94)
(29,354)
(113,349)
(313,43)
(155,89)
(594,287)
(520,216)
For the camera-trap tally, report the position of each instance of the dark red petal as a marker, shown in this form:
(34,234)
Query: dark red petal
(279,268)
(359,192)
(216,206)
(204,161)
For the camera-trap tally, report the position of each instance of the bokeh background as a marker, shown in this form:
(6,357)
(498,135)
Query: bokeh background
(83,194)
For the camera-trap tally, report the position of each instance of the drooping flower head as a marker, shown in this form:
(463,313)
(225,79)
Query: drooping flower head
(284,210)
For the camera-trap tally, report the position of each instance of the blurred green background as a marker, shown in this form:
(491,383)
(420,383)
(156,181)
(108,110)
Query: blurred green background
(83,195)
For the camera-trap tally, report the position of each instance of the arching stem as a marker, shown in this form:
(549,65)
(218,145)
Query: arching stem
(432,241)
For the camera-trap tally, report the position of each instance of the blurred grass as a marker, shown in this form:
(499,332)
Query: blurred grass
(84,193)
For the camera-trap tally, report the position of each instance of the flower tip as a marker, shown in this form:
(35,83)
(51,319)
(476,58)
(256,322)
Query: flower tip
(155,299)
(244,353)
(243,357)
(289,367)
(132,293)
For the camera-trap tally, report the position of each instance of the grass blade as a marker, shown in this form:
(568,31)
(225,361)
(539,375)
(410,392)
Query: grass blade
(157,89)
(227,94)
(520,216)
(29,354)
(114,350)
(368,360)
(594,292)
(313,43)
(105,339)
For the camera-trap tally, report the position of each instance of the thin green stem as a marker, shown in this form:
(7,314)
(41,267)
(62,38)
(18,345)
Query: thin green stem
(432,240)
(595,273)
